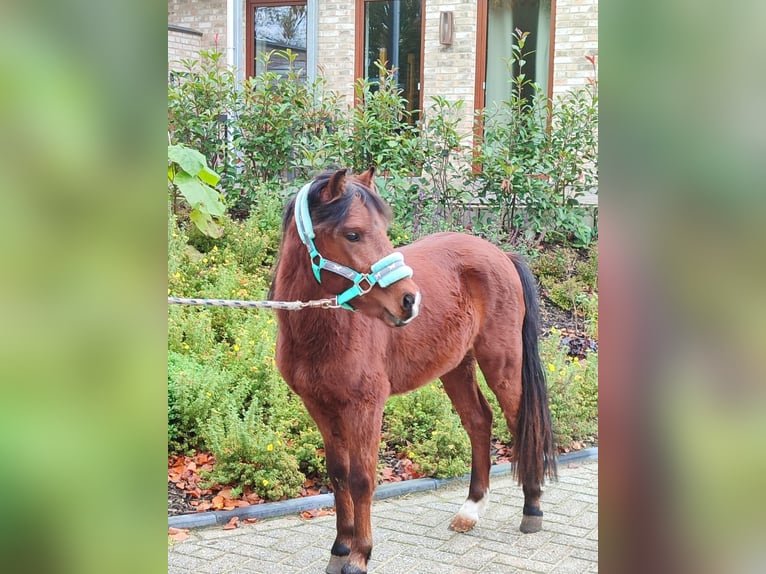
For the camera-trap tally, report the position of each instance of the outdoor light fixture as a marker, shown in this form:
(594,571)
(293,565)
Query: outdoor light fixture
(446,28)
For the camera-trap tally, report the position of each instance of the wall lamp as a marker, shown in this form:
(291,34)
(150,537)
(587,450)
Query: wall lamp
(446,28)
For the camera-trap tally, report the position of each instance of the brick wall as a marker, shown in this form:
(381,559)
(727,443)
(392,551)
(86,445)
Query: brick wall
(449,71)
(206,16)
(576,37)
(182,44)
(335,46)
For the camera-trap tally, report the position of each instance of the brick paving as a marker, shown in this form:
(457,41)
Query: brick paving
(411,536)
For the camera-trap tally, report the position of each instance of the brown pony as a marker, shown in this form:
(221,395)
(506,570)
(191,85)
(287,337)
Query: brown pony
(457,302)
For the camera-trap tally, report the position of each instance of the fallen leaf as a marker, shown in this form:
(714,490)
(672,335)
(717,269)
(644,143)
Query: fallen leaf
(250,520)
(178,534)
(204,505)
(218,502)
(232,524)
(309,514)
(253,498)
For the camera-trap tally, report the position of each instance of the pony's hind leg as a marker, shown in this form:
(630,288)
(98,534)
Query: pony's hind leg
(518,383)
(502,372)
(476,416)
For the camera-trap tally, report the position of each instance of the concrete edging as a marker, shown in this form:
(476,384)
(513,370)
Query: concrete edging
(298,505)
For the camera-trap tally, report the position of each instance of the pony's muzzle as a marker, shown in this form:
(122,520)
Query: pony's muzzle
(411,306)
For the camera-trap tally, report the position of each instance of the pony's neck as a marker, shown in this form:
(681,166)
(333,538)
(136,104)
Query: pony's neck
(295,281)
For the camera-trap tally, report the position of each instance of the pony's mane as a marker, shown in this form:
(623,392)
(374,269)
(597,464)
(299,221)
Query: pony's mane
(334,213)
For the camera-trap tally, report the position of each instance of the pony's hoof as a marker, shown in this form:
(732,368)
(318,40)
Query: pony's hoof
(462,523)
(352,569)
(335,566)
(530,524)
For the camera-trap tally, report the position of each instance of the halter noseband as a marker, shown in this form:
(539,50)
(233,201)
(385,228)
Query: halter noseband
(385,272)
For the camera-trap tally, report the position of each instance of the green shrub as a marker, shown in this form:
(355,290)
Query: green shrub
(201,102)
(572,392)
(309,452)
(569,279)
(424,425)
(194,390)
(537,158)
(564,294)
(446,452)
(248,453)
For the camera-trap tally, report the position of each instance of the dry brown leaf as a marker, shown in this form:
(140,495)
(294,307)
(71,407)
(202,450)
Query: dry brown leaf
(178,534)
(232,524)
(218,502)
(204,505)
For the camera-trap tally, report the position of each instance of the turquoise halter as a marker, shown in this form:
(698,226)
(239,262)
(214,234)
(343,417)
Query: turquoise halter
(385,272)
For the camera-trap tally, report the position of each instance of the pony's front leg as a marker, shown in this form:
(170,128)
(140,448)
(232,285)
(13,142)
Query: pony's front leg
(336,455)
(331,426)
(363,450)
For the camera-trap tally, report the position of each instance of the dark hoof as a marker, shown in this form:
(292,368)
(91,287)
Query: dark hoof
(336,564)
(530,524)
(352,569)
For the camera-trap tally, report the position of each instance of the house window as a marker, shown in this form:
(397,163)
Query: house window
(277,25)
(497,21)
(391,31)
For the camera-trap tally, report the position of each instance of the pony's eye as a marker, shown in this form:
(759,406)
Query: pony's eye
(352,236)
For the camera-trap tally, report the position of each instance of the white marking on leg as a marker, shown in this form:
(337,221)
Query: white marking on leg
(473,510)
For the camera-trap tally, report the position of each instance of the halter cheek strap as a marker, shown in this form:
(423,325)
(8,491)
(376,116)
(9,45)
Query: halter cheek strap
(385,272)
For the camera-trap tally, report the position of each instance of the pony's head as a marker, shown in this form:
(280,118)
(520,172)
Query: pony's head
(342,222)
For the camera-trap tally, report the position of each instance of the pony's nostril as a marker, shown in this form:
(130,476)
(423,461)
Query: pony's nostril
(408,302)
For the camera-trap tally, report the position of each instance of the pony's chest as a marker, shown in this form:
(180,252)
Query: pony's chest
(330,371)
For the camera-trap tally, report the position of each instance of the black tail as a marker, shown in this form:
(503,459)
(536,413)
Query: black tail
(535,449)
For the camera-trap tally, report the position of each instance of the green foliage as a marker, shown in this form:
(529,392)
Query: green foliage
(569,279)
(424,425)
(572,392)
(309,452)
(538,157)
(190,178)
(201,102)
(252,454)
(534,160)
(280,126)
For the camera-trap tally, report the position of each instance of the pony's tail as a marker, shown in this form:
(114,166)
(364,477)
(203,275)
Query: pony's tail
(535,448)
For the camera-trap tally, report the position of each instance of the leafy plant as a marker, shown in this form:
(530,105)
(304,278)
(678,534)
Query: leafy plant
(537,157)
(190,179)
(201,104)
(251,454)
(424,425)
(572,393)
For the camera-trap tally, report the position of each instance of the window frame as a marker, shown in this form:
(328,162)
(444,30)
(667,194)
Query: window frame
(482,11)
(359,30)
(250,5)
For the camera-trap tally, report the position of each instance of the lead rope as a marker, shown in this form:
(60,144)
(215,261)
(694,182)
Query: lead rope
(281,305)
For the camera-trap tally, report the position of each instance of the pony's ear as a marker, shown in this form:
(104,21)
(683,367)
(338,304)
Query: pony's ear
(367,178)
(335,186)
